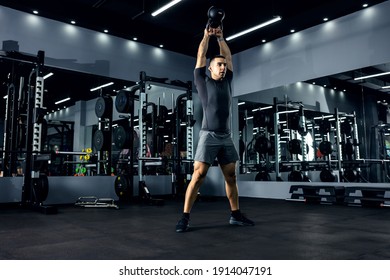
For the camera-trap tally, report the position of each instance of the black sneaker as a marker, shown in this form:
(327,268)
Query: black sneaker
(242,221)
(182,225)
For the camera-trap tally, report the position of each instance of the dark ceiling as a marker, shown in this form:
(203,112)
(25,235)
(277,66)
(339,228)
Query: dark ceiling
(179,29)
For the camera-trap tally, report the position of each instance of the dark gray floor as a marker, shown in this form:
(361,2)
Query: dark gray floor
(284,230)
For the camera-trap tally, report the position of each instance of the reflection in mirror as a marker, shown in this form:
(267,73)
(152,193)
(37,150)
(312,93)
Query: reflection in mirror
(330,129)
(65,108)
(79,124)
(165,116)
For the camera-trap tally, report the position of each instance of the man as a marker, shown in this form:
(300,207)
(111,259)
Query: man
(215,136)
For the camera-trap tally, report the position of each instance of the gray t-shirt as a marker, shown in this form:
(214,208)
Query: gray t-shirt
(216,98)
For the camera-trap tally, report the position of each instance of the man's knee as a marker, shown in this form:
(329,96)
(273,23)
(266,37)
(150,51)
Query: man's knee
(199,174)
(231,178)
(200,171)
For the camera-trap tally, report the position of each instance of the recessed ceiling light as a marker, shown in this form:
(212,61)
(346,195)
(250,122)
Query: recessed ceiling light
(105,31)
(73,22)
(326,19)
(35,12)
(135,38)
(292,30)
(263,41)
(365,5)
(161,46)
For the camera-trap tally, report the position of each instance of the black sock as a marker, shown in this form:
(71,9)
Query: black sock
(186,215)
(236,214)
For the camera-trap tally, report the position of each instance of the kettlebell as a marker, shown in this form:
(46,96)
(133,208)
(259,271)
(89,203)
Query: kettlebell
(216,17)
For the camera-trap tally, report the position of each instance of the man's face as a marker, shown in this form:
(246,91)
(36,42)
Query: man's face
(218,68)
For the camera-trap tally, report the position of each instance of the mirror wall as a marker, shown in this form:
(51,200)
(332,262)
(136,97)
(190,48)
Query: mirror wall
(70,104)
(328,129)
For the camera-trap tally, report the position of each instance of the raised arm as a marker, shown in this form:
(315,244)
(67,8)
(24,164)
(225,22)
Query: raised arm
(224,49)
(201,60)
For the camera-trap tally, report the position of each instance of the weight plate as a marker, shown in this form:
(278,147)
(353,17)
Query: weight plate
(295,147)
(327,175)
(124,186)
(295,176)
(123,102)
(263,145)
(263,176)
(101,140)
(103,107)
(121,138)
(40,188)
(325,147)
(261,119)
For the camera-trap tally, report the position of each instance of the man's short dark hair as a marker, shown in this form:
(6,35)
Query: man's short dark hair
(217,56)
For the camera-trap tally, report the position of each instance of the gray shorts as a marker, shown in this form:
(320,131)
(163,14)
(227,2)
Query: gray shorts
(213,145)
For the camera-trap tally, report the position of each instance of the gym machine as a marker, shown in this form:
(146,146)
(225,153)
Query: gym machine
(380,136)
(149,155)
(25,120)
(102,136)
(296,130)
(262,144)
(60,138)
(124,139)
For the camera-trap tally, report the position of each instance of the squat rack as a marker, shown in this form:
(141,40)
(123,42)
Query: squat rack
(125,104)
(143,103)
(35,182)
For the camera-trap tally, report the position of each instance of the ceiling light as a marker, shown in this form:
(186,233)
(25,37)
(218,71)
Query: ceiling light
(73,22)
(48,75)
(275,19)
(161,46)
(365,5)
(240,103)
(386,87)
(165,7)
(326,19)
(292,30)
(263,41)
(135,38)
(372,76)
(35,12)
(102,86)
(62,100)
(266,108)
(105,31)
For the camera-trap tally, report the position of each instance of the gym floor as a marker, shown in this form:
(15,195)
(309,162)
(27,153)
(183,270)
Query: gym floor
(284,230)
